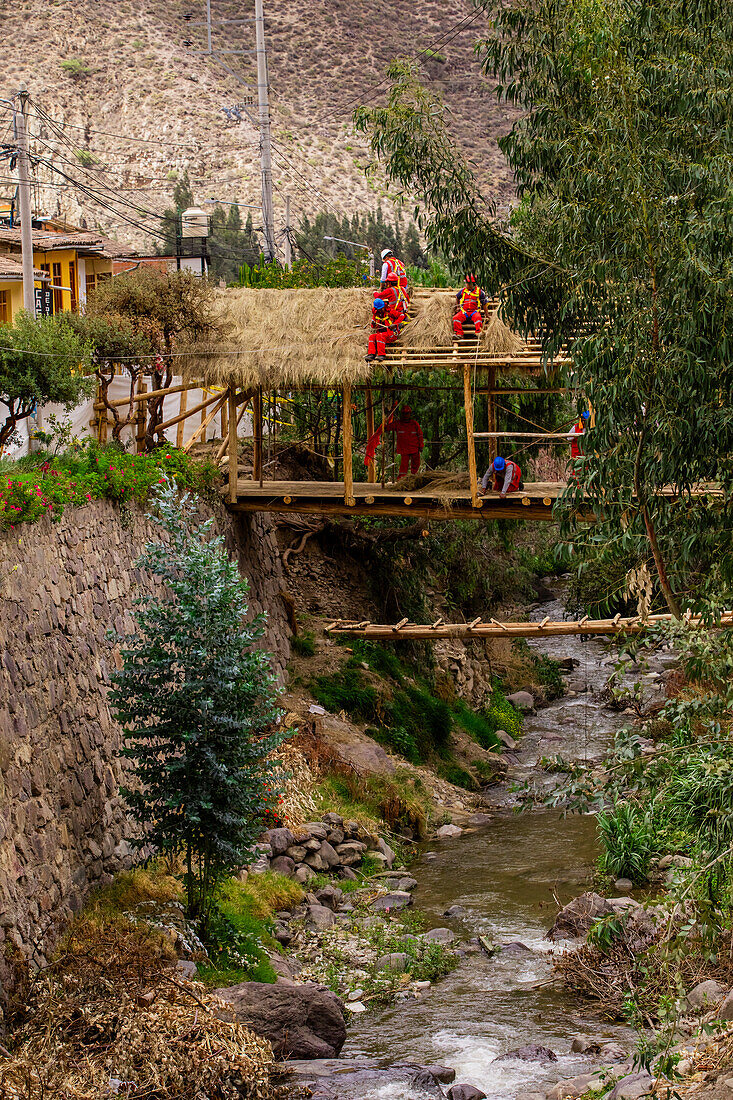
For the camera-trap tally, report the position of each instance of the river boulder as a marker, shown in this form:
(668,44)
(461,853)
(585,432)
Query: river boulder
(522,700)
(388,903)
(301,1021)
(531,1052)
(705,995)
(632,1087)
(465,1092)
(576,918)
(448,830)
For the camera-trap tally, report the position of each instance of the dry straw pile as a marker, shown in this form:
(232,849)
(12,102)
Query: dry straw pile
(289,338)
(111,1018)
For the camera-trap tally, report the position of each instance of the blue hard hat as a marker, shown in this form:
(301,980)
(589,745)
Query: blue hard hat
(499,463)
(585,415)
(379,303)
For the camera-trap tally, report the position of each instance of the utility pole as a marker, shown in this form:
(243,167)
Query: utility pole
(288,247)
(24,193)
(263,98)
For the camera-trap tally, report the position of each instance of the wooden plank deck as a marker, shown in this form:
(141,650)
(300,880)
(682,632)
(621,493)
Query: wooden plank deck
(534,502)
(327,498)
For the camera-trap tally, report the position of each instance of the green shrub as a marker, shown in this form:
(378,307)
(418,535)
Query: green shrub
(627,837)
(45,484)
(547,672)
(348,693)
(304,644)
(458,776)
(501,715)
(75,67)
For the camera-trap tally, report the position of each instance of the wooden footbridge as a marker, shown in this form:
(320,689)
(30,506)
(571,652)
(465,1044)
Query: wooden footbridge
(236,381)
(405,631)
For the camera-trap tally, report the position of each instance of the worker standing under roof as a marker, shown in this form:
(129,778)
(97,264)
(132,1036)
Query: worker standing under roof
(472,302)
(386,322)
(506,475)
(575,433)
(390,264)
(409,440)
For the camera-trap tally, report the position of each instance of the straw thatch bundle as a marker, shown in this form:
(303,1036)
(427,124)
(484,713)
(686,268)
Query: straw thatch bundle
(108,1019)
(432,326)
(283,339)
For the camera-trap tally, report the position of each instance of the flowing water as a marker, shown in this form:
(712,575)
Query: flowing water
(509,877)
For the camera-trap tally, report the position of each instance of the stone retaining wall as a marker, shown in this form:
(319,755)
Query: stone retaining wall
(63,586)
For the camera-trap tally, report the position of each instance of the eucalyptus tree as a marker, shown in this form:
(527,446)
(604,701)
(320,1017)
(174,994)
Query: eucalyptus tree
(620,248)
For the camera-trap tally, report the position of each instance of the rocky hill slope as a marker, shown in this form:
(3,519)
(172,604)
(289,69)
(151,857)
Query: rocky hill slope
(110,70)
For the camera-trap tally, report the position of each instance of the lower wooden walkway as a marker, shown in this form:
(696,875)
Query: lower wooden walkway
(327,498)
(407,631)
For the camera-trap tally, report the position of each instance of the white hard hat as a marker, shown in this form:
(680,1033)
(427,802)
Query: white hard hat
(386,252)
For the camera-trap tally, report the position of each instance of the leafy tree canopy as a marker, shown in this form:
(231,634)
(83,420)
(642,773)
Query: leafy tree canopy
(620,248)
(42,360)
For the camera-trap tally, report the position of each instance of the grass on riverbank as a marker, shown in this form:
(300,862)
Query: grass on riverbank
(413,715)
(240,936)
(44,484)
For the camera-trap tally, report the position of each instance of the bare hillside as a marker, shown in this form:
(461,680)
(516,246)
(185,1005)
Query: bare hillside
(110,70)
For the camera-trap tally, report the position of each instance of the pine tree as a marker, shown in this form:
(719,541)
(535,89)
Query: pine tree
(196,699)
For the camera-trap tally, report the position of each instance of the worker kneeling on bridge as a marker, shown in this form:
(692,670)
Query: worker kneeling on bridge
(506,475)
(472,301)
(386,322)
(409,440)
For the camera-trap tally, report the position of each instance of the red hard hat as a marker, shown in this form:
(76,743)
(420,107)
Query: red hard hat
(393,277)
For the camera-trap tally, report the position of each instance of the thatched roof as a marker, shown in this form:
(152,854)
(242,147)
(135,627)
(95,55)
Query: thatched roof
(281,339)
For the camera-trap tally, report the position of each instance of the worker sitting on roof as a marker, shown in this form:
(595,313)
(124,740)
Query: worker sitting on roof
(576,432)
(390,264)
(472,300)
(392,292)
(386,321)
(507,478)
(409,440)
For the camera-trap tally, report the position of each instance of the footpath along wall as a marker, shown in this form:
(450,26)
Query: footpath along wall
(63,586)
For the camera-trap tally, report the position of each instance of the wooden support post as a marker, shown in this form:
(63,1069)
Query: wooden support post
(233,444)
(140,417)
(182,421)
(491,412)
(371,469)
(347,439)
(225,420)
(468,401)
(257,435)
(384,441)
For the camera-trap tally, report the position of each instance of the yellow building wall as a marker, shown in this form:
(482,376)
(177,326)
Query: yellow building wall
(15,295)
(63,257)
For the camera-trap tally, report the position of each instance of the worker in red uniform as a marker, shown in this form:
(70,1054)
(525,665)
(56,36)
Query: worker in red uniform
(386,321)
(471,301)
(575,433)
(409,440)
(390,263)
(506,475)
(393,293)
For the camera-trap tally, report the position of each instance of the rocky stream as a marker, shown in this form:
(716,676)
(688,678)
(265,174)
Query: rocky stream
(502,1026)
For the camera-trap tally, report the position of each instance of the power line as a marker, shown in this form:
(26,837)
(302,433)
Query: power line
(122,137)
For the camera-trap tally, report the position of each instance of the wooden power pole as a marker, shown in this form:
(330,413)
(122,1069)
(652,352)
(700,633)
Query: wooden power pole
(263,99)
(24,194)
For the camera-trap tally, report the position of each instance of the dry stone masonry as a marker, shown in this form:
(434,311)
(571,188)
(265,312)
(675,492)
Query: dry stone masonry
(63,587)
